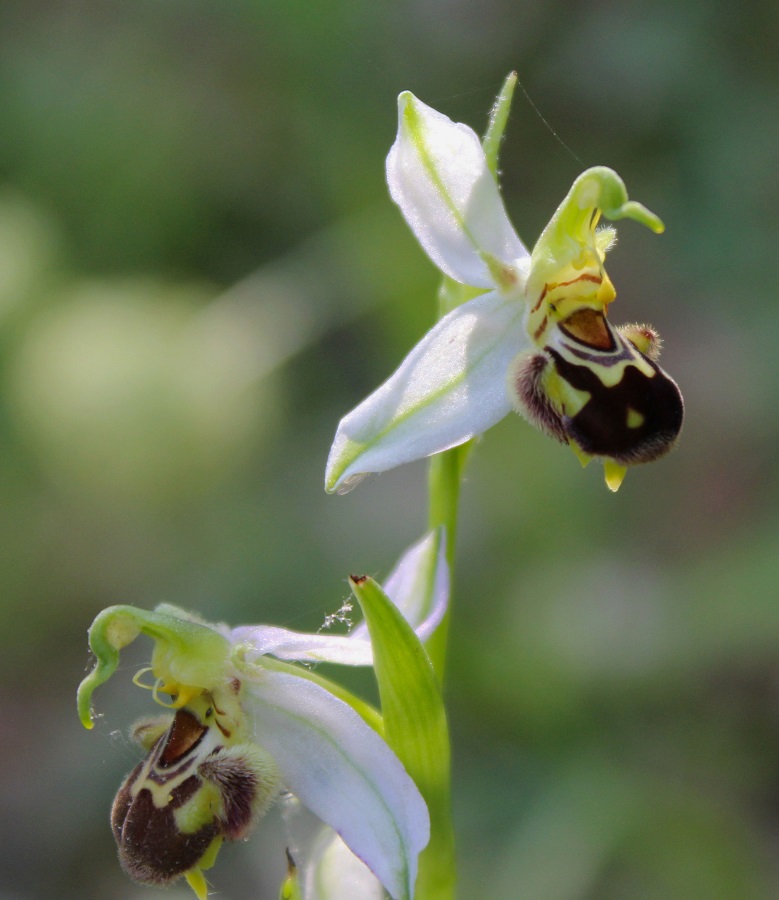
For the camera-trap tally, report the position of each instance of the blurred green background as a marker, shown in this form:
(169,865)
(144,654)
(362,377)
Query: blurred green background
(201,271)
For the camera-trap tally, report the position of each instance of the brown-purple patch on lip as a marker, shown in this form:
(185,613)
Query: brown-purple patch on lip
(185,734)
(589,327)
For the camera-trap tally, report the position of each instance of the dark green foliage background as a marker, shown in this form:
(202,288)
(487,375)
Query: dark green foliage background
(614,677)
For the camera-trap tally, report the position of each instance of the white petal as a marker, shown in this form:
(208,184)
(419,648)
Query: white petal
(343,772)
(437,174)
(450,387)
(335,873)
(297,646)
(418,586)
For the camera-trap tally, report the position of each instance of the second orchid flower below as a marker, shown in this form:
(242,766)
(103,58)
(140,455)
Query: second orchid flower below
(243,725)
(536,340)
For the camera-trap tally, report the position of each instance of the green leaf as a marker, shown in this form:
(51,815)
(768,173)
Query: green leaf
(414,726)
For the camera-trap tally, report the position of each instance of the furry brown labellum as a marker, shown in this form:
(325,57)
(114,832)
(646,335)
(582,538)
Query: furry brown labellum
(189,793)
(601,389)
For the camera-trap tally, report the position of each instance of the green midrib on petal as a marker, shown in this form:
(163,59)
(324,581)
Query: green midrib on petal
(364,710)
(354,449)
(416,132)
(404,870)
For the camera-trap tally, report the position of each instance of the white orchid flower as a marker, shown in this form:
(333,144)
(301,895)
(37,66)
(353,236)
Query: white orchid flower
(246,726)
(536,341)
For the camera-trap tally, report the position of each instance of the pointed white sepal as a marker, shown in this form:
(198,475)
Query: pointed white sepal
(451,387)
(418,586)
(438,175)
(297,646)
(343,772)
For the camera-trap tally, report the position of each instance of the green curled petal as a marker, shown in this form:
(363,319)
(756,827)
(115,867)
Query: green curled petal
(189,655)
(601,188)
(569,239)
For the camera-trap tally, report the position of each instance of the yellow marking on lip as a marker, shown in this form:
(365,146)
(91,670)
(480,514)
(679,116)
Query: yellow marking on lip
(635,419)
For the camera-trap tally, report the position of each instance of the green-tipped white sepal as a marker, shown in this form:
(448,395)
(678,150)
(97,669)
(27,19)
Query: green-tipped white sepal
(438,175)
(451,387)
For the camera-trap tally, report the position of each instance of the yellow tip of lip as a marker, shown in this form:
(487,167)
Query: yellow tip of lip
(614,474)
(196,880)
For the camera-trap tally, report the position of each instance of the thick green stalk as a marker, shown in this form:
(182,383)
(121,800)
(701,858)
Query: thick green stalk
(444,479)
(446,469)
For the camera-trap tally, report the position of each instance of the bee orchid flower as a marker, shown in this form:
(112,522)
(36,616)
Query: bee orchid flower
(536,338)
(244,724)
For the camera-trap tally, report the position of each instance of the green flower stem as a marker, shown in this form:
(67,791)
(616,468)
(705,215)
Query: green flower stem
(444,479)
(446,469)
